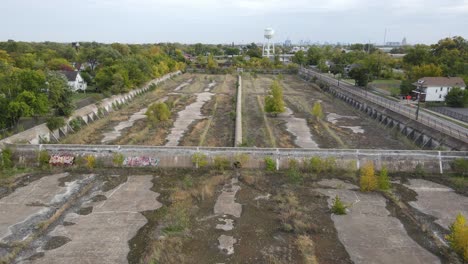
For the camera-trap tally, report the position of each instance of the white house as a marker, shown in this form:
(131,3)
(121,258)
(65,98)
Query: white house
(75,81)
(434,89)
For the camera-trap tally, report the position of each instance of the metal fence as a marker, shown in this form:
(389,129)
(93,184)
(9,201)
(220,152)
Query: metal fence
(438,124)
(450,113)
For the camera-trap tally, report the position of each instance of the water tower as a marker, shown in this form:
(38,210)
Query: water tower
(268,47)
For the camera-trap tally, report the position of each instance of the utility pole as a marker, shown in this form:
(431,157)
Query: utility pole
(419,99)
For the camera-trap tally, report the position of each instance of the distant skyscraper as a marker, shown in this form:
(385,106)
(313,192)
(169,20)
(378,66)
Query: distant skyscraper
(288,43)
(403,42)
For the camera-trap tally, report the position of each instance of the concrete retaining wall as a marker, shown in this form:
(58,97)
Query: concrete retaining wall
(238,132)
(181,157)
(88,114)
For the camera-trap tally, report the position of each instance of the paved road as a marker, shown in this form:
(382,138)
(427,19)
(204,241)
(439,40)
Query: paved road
(435,122)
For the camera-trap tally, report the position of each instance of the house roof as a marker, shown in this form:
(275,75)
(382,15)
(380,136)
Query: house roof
(440,82)
(71,75)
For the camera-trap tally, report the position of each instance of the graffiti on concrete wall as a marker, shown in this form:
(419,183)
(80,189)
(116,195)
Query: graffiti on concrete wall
(61,159)
(140,161)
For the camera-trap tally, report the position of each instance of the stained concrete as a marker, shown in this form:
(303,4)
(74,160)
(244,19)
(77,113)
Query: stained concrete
(298,127)
(226,244)
(438,200)
(227,225)
(186,117)
(29,202)
(334,118)
(368,232)
(178,88)
(355,129)
(226,202)
(102,236)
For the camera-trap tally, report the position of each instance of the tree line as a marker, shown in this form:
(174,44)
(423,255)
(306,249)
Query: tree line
(31,85)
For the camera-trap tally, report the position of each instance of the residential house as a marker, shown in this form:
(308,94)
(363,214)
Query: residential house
(75,81)
(434,89)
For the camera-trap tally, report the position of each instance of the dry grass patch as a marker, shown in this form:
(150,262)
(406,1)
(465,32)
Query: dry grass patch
(305,245)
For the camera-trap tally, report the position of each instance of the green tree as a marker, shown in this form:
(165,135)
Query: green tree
(360,75)
(299,58)
(60,95)
(211,65)
(425,70)
(314,55)
(274,102)
(457,97)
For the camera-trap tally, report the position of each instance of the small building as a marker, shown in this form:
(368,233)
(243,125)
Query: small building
(434,89)
(75,81)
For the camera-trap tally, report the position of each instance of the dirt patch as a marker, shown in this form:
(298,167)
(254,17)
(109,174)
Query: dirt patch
(56,242)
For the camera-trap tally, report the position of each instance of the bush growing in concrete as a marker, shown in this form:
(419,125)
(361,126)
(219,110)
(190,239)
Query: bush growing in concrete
(270,164)
(338,206)
(90,161)
(315,164)
(294,175)
(118,159)
(55,122)
(76,124)
(221,163)
(199,160)
(419,170)
(458,237)
(330,164)
(368,181)
(383,180)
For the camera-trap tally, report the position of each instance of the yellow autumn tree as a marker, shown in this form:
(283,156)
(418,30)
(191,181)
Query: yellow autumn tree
(368,180)
(458,237)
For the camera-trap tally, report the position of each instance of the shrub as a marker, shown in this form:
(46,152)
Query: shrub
(221,163)
(383,180)
(90,161)
(460,166)
(76,124)
(158,112)
(458,237)
(199,160)
(294,175)
(270,164)
(338,206)
(293,164)
(368,181)
(7,158)
(330,164)
(55,122)
(118,159)
(315,164)
(419,171)
(43,158)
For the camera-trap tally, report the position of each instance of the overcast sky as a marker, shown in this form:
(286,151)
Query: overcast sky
(226,21)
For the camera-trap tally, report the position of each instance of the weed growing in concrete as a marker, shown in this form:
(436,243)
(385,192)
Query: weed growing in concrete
(419,170)
(460,166)
(330,164)
(221,163)
(290,215)
(270,164)
(199,160)
(118,159)
(458,237)
(338,206)
(294,175)
(43,158)
(158,112)
(7,159)
(383,180)
(90,161)
(241,159)
(76,124)
(368,181)
(188,181)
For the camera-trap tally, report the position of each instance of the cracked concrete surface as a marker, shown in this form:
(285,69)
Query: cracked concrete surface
(102,236)
(368,232)
(438,200)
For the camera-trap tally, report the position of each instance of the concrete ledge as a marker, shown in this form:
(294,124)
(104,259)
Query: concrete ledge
(238,132)
(181,157)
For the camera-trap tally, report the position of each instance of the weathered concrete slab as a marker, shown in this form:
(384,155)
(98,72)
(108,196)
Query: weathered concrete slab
(30,200)
(226,202)
(103,235)
(226,244)
(298,127)
(190,114)
(438,200)
(227,226)
(370,234)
